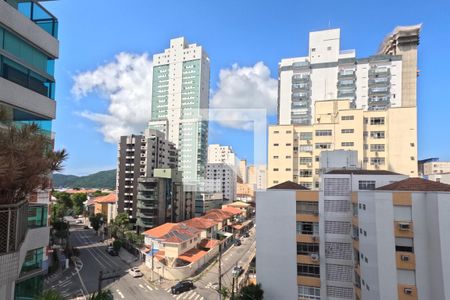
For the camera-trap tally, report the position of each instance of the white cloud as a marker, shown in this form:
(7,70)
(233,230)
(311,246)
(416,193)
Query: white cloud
(240,91)
(127,84)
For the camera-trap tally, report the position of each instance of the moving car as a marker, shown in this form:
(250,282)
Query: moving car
(237,271)
(135,272)
(182,286)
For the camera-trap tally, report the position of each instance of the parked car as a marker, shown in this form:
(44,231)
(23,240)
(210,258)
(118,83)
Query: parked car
(246,235)
(237,243)
(86,227)
(79,221)
(111,251)
(182,286)
(135,272)
(237,271)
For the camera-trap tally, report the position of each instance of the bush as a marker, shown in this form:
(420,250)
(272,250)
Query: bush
(117,244)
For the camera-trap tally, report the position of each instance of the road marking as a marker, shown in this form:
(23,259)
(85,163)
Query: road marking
(196,297)
(192,296)
(149,287)
(179,296)
(120,294)
(188,294)
(168,290)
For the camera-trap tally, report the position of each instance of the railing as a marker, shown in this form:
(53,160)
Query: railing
(39,15)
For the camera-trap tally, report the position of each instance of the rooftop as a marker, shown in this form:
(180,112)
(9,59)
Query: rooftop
(192,255)
(159,231)
(362,172)
(200,223)
(217,215)
(110,198)
(416,184)
(233,210)
(288,185)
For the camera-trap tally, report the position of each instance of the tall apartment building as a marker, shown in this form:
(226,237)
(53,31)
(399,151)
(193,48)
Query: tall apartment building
(161,199)
(387,79)
(139,156)
(28,49)
(383,139)
(221,178)
(257,176)
(180,102)
(222,154)
(433,166)
(364,235)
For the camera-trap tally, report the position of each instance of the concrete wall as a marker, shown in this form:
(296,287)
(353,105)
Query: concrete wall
(276,243)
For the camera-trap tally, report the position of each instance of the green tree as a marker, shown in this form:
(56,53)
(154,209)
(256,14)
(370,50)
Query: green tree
(99,193)
(251,292)
(64,198)
(224,292)
(26,159)
(78,199)
(102,295)
(50,295)
(119,226)
(60,230)
(97,221)
(117,244)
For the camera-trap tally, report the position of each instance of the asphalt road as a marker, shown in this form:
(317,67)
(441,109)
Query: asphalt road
(94,258)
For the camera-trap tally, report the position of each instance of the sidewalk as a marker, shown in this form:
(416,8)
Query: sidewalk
(128,258)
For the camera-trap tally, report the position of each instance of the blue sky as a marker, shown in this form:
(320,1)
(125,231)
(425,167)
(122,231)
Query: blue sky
(92,33)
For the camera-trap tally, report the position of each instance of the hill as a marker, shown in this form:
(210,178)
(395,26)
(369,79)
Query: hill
(102,179)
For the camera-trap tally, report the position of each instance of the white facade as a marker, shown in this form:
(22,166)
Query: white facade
(329,73)
(222,154)
(180,102)
(221,178)
(276,263)
(335,230)
(338,159)
(257,176)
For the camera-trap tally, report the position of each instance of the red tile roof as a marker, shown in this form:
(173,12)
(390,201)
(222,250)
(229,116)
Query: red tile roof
(192,255)
(209,244)
(233,210)
(362,172)
(172,233)
(200,223)
(217,215)
(416,184)
(159,231)
(110,198)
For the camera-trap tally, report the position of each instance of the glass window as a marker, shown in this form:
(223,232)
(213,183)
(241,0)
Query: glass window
(347,118)
(307,207)
(307,248)
(323,132)
(323,146)
(366,184)
(309,228)
(37,216)
(377,134)
(306,136)
(308,270)
(377,147)
(347,144)
(33,260)
(377,121)
(308,292)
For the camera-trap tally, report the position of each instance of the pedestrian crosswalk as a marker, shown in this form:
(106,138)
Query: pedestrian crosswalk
(191,295)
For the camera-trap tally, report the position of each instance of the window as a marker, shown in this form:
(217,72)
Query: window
(306,173)
(308,228)
(329,48)
(307,248)
(37,216)
(305,160)
(377,147)
(347,118)
(276,145)
(377,121)
(366,184)
(275,156)
(377,160)
(305,148)
(323,132)
(308,292)
(288,156)
(313,49)
(306,207)
(308,270)
(288,169)
(305,136)
(323,146)
(276,131)
(288,131)
(347,131)
(377,134)
(288,144)
(275,169)
(347,144)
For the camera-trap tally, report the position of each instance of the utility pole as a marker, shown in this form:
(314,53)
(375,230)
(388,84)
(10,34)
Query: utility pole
(153,257)
(220,266)
(232,289)
(100,279)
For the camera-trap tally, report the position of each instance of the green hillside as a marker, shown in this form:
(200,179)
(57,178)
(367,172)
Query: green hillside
(102,179)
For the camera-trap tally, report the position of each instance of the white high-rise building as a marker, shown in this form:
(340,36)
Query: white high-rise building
(387,79)
(180,102)
(221,178)
(222,154)
(257,176)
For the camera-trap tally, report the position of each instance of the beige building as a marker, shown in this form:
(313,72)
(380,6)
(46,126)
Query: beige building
(436,167)
(384,140)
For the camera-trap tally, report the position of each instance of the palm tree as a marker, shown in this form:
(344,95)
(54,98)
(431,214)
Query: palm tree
(102,295)
(50,295)
(26,160)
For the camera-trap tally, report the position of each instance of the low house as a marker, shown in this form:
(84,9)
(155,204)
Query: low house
(106,205)
(207,227)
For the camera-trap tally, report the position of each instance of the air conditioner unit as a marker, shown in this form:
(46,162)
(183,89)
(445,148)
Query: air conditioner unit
(408,291)
(404,258)
(315,257)
(309,164)
(403,226)
(315,238)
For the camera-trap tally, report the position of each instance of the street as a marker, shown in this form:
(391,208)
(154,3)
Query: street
(94,258)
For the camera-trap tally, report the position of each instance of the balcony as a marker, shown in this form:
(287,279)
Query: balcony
(39,15)
(405,260)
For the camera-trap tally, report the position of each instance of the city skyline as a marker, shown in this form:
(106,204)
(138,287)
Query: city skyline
(79,121)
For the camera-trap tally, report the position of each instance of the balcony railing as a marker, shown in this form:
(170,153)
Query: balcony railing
(39,15)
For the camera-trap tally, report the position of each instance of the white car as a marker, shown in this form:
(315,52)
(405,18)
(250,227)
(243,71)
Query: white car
(79,221)
(135,272)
